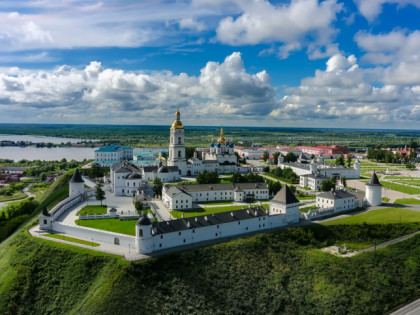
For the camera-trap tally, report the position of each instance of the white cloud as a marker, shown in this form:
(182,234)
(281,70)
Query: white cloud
(190,23)
(343,92)
(370,9)
(114,95)
(300,23)
(398,51)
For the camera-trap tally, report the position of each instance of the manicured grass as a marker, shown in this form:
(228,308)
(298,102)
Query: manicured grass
(305,198)
(71,239)
(17,196)
(410,182)
(92,209)
(407,201)
(204,211)
(112,225)
(401,188)
(399,177)
(385,199)
(216,203)
(384,216)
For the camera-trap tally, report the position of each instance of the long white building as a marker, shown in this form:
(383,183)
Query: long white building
(107,156)
(182,196)
(151,237)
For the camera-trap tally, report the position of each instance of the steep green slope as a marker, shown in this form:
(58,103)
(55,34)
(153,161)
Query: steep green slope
(281,272)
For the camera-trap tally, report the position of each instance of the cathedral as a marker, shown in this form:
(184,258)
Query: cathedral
(220,157)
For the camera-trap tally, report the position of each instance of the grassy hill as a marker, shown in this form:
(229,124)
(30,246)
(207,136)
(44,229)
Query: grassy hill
(272,273)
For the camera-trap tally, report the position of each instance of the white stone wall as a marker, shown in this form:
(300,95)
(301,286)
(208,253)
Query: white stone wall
(95,234)
(339,205)
(212,232)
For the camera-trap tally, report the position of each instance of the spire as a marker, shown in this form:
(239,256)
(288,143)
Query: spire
(374,181)
(76,177)
(221,139)
(177,124)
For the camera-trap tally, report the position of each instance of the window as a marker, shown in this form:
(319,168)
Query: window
(160,245)
(184,240)
(193,231)
(179,140)
(216,234)
(179,233)
(179,153)
(217,226)
(141,232)
(239,222)
(45,221)
(246,228)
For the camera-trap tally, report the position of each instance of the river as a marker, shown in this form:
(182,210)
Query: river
(38,139)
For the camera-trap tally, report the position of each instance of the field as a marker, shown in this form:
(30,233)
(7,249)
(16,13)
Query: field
(384,216)
(92,210)
(203,211)
(112,225)
(407,201)
(71,239)
(401,188)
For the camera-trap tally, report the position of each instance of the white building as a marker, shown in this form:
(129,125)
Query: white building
(336,200)
(182,196)
(125,179)
(302,167)
(151,237)
(284,202)
(221,156)
(312,181)
(166,174)
(374,191)
(107,156)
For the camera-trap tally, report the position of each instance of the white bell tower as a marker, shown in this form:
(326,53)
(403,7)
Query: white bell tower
(177,145)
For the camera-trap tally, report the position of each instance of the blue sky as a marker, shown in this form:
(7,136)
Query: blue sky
(301,63)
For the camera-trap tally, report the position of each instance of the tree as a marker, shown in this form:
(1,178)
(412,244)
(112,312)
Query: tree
(413,144)
(42,177)
(410,166)
(266,156)
(413,156)
(207,177)
(274,187)
(266,169)
(157,186)
(339,160)
(99,193)
(290,157)
(236,178)
(344,181)
(189,152)
(96,171)
(328,184)
(276,158)
(138,205)
(348,160)
(312,156)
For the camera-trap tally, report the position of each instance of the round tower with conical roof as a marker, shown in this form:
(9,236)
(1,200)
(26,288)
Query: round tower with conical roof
(77,184)
(144,236)
(374,191)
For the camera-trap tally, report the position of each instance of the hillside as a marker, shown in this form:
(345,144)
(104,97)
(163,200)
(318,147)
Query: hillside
(281,272)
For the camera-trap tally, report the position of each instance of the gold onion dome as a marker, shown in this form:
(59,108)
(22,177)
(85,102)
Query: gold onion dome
(221,139)
(177,124)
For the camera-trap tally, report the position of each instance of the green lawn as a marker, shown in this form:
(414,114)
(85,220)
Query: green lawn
(410,182)
(71,239)
(407,201)
(399,177)
(401,188)
(216,203)
(204,211)
(112,225)
(92,209)
(384,216)
(305,198)
(17,196)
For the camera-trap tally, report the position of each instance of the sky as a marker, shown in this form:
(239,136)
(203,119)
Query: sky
(298,63)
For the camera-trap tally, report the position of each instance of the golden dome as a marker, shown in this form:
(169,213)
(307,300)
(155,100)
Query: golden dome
(177,124)
(222,139)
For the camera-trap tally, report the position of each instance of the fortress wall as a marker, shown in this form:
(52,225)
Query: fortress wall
(94,234)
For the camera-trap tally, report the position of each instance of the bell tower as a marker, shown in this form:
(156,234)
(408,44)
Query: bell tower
(177,145)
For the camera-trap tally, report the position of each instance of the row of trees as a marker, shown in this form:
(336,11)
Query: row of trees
(285,174)
(15,210)
(388,156)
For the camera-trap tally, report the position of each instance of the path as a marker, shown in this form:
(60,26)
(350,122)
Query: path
(25,190)
(160,210)
(411,309)
(382,245)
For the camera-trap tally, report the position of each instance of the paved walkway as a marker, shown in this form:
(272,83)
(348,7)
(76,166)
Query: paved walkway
(379,246)
(411,309)
(160,210)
